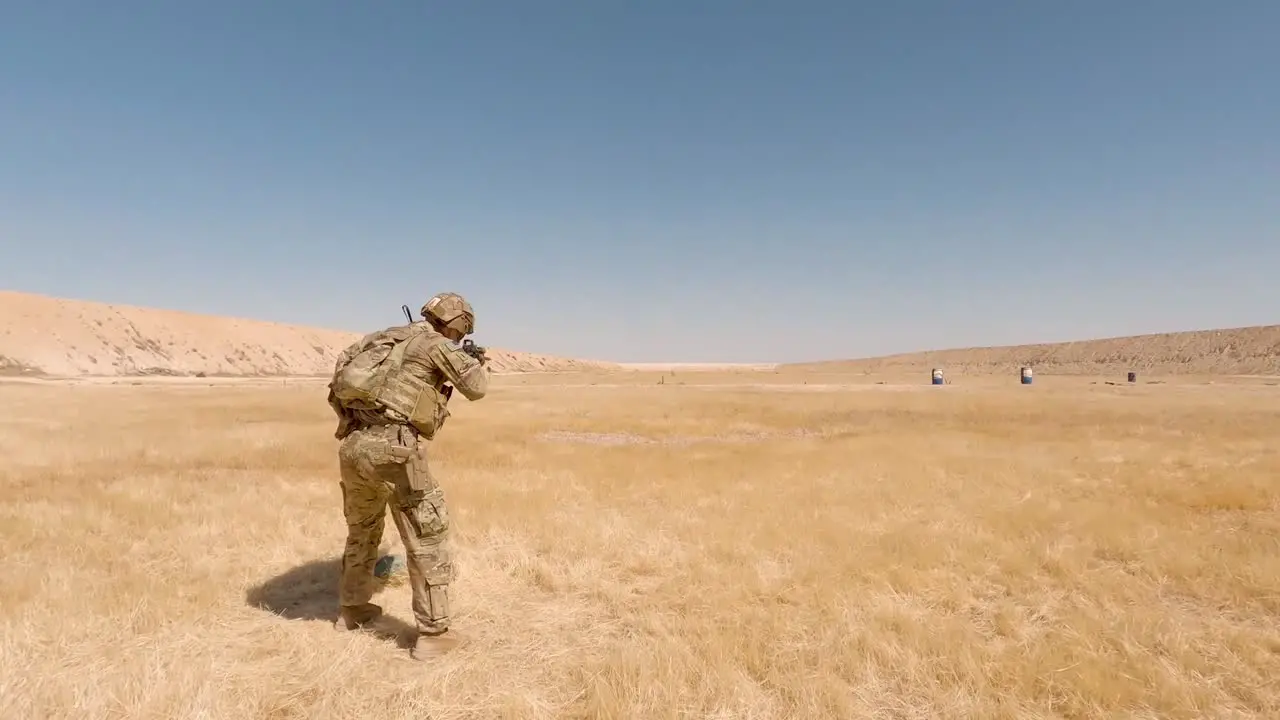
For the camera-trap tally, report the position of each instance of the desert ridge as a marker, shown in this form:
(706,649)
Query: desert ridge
(1251,350)
(48,336)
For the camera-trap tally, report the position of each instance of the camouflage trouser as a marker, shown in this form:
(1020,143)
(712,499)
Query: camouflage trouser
(386,466)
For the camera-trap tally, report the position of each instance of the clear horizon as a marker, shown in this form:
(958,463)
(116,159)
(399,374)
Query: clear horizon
(909,351)
(665,183)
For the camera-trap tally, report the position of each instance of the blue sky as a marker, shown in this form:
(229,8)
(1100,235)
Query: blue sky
(696,181)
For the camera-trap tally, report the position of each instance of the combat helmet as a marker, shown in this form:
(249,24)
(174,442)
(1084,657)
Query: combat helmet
(449,309)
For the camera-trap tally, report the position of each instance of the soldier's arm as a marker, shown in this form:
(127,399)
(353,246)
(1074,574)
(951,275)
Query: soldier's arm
(465,373)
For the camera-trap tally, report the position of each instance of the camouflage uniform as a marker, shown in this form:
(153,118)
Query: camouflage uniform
(383,462)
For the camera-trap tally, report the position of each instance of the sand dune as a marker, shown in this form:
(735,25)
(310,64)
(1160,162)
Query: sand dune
(42,335)
(1235,351)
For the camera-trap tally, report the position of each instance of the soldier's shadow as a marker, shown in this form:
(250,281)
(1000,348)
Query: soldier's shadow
(310,592)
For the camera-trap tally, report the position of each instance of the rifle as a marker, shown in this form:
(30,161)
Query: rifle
(471,348)
(407,316)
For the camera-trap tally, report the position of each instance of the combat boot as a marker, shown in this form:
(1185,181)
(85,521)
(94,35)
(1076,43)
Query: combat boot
(355,617)
(431,646)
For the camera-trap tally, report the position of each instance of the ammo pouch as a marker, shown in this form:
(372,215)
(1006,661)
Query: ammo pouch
(429,411)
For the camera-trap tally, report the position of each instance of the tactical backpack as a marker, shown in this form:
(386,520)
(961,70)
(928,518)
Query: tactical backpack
(368,377)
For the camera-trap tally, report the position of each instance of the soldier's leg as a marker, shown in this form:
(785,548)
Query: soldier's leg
(424,525)
(422,518)
(364,502)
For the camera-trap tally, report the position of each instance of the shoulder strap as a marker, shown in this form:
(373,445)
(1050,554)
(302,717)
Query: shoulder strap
(395,358)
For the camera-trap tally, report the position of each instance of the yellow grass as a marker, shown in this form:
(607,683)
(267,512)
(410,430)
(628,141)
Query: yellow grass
(629,549)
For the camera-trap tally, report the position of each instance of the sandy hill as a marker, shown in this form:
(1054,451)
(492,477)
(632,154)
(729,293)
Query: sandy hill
(42,335)
(1234,351)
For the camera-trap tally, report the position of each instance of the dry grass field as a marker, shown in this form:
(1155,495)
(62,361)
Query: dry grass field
(709,547)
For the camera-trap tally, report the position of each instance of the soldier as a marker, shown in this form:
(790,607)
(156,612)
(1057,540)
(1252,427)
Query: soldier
(383,459)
